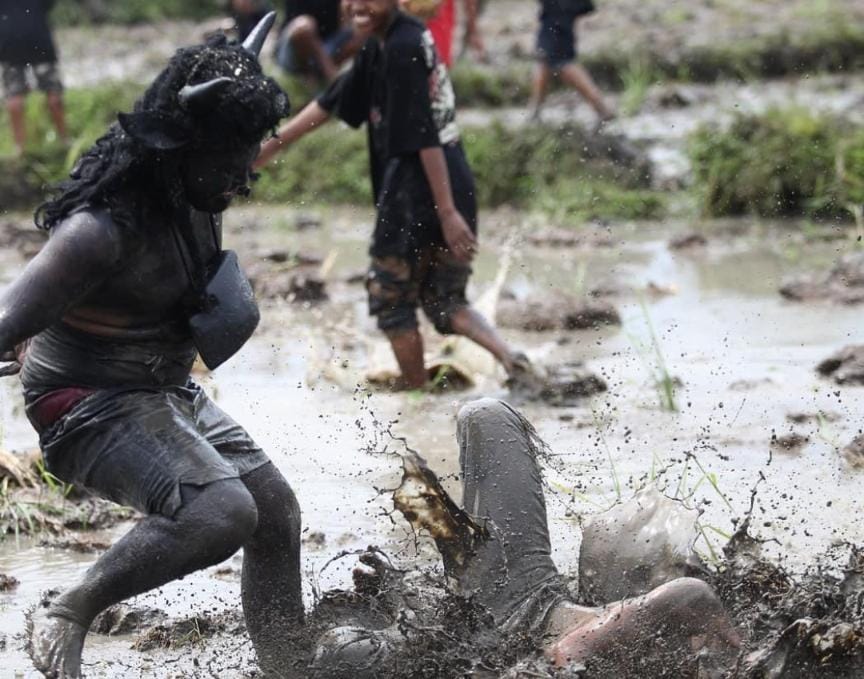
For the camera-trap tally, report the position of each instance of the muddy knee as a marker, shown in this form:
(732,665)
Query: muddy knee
(484,412)
(224,513)
(278,510)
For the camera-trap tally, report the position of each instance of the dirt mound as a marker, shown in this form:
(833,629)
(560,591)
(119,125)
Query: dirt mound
(191,631)
(797,626)
(843,284)
(295,277)
(845,366)
(555,312)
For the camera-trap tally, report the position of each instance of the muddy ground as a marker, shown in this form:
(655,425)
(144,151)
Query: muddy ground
(618,27)
(706,321)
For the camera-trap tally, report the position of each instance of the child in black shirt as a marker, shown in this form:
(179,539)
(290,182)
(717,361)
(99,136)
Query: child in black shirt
(425,232)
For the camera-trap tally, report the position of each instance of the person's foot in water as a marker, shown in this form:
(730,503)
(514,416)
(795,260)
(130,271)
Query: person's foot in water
(55,644)
(523,378)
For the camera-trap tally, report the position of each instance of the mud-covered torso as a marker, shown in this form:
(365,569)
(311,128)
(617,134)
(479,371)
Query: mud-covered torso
(131,327)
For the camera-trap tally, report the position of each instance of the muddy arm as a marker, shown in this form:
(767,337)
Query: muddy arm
(82,251)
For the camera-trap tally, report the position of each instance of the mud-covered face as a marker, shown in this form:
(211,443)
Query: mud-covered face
(372,16)
(211,178)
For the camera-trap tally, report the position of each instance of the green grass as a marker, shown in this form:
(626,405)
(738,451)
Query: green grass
(554,170)
(782,163)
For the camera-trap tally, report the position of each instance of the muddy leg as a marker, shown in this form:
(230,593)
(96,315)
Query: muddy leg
(272,598)
(579,79)
(408,348)
(469,323)
(54,102)
(15,106)
(212,524)
(539,87)
(502,484)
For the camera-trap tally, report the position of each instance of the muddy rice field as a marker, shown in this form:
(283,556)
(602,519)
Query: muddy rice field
(713,390)
(725,363)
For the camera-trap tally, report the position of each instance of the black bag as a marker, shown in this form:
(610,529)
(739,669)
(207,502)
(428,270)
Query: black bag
(224,313)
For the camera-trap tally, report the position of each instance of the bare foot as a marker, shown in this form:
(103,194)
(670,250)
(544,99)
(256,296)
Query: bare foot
(55,644)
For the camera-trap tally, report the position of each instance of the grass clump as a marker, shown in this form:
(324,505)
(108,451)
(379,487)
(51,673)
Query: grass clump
(781,163)
(562,171)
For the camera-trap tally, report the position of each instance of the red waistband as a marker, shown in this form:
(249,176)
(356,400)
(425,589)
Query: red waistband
(50,407)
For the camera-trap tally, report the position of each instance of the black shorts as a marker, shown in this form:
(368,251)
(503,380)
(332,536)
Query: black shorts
(16,84)
(433,279)
(556,40)
(136,447)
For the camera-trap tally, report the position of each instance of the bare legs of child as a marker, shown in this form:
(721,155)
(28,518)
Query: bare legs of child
(408,347)
(575,76)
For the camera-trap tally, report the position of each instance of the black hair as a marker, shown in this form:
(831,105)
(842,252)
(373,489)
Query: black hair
(118,166)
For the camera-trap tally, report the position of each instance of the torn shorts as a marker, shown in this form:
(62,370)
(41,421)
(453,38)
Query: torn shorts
(136,447)
(433,279)
(16,83)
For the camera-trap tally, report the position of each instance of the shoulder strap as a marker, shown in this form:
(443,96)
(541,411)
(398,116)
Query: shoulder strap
(194,269)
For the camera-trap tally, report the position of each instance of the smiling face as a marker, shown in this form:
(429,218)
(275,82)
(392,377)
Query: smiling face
(211,178)
(372,16)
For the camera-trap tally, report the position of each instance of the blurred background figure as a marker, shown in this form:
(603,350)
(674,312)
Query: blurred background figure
(556,54)
(441,19)
(28,56)
(247,14)
(315,40)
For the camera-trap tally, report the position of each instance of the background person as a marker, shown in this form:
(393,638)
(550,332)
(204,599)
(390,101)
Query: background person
(442,24)
(27,50)
(247,14)
(556,54)
(314,40)
(425,233)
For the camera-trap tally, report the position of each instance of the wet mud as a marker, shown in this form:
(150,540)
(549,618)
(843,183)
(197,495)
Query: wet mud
(723,329)
(842,284)
(845,366)
(555,312)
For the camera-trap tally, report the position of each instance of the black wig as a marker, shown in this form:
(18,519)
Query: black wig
(121,164)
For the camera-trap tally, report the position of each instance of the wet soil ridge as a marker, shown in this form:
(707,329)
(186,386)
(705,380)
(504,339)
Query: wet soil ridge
(845,366)
(842,284)
(34,502)
(796,626)
(555,311)
(293,277)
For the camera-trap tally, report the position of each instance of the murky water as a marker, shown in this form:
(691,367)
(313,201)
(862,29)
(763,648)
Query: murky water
(745,359)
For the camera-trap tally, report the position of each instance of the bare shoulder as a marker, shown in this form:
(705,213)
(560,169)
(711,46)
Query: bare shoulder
(92,233)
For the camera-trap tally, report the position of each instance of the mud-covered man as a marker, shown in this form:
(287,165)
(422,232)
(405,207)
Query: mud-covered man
(426,229)
(498,553)
(113,308)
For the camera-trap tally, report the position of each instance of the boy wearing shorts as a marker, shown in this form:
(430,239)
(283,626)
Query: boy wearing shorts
(556,55)
(27,52)
(425,232)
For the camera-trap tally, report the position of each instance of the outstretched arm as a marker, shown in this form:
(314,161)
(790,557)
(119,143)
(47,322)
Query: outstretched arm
(82,251)
(458,236)
(311,117)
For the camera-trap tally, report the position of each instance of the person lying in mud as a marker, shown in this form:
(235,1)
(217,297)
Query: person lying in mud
(497,551)
(113,311)
(426,230)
